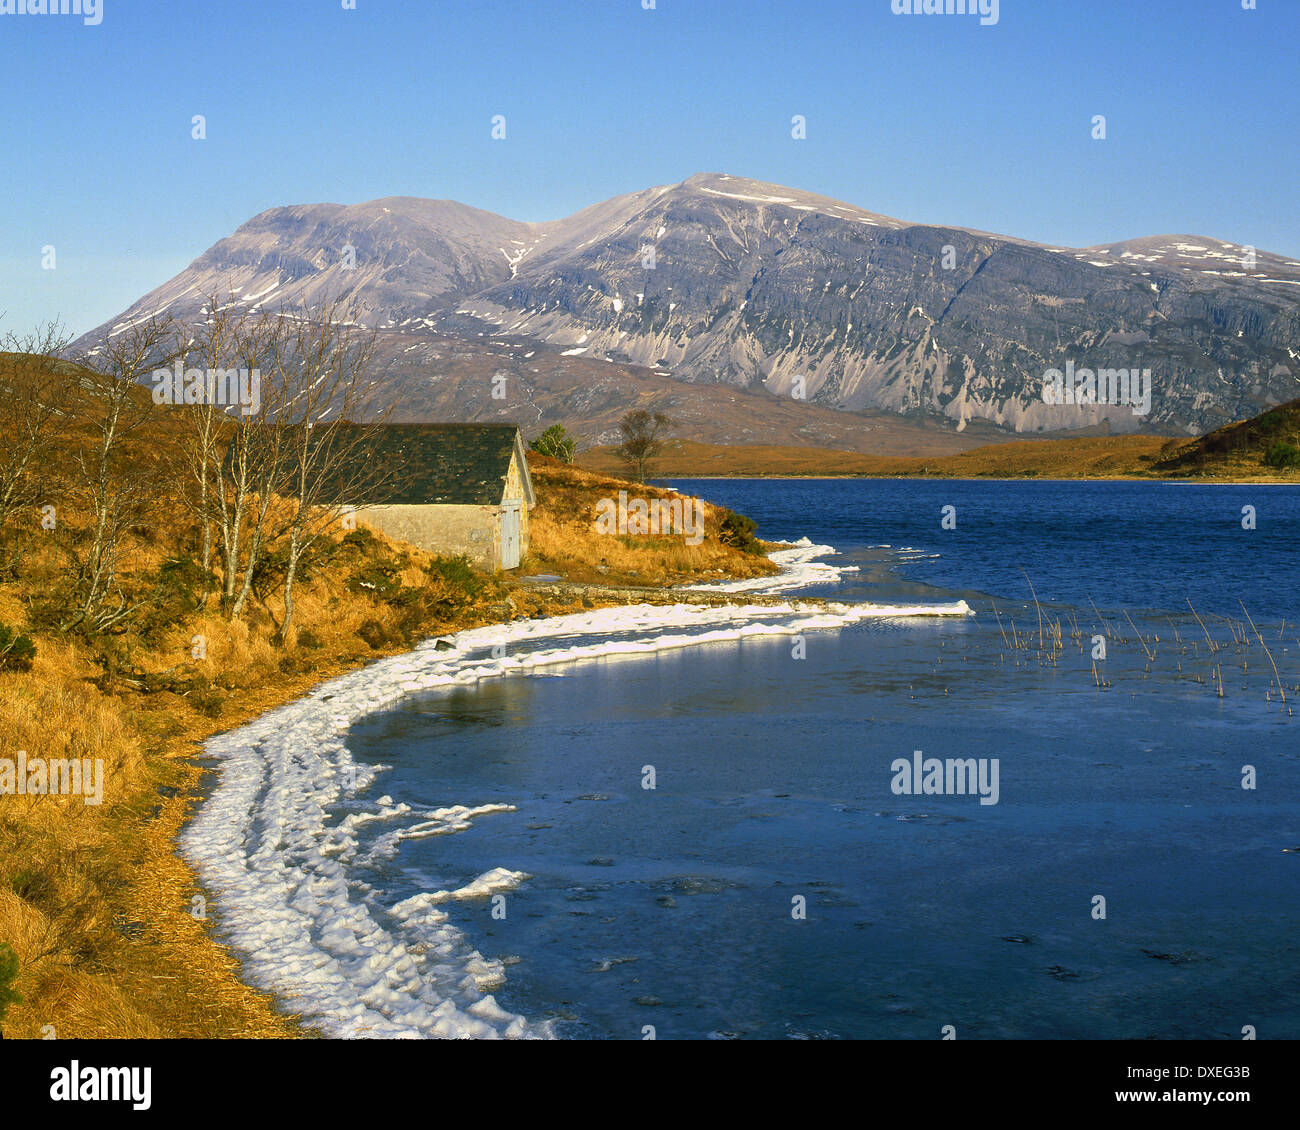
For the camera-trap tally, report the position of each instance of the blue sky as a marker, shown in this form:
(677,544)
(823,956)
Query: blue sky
(935,119)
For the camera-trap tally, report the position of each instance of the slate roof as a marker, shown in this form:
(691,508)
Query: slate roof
(423,464)
(447,464)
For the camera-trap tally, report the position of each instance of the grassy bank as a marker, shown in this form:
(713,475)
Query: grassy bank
(566,543)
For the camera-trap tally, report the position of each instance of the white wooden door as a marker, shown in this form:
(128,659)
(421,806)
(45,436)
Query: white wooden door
(510,537)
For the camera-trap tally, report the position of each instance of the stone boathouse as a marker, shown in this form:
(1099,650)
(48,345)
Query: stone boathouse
(454,489)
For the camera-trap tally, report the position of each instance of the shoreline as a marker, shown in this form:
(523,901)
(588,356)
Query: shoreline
(108,924)
(314,757)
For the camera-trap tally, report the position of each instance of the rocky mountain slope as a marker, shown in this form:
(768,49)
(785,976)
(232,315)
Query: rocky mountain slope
(722,280)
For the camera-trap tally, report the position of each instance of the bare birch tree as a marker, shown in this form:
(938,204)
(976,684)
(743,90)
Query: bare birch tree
(643,434)
(244,464)
(112,485)
(329,406)
(203,442)
(33,412)
(259,450)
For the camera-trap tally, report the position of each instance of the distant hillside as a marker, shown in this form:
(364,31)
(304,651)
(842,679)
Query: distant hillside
(1082,458)
(437,377)
(1264,448)
(1268,443)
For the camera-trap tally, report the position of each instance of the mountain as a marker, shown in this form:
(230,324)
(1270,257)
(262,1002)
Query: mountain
(721,280)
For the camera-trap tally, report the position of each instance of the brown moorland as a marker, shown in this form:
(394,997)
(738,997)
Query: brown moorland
(1258,449)
(112,933)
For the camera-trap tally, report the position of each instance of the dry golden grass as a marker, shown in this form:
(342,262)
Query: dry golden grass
(565,539)
(93,899)
(1084,457)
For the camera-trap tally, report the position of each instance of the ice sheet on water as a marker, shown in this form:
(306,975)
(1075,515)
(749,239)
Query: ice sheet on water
(278,859)
(799,569)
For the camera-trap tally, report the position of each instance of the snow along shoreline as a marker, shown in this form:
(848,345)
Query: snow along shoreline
(273,852)
(799,569)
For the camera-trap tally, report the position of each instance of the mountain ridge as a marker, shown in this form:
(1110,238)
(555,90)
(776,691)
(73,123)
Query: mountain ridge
(725,279)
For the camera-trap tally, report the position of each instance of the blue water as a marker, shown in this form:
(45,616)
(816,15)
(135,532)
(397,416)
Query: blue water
(673,907)
(1122,544)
